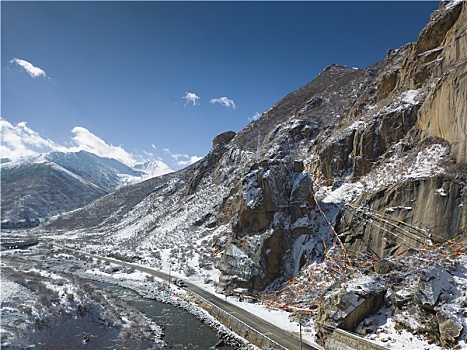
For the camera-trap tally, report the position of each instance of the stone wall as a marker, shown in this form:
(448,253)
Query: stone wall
(342,340)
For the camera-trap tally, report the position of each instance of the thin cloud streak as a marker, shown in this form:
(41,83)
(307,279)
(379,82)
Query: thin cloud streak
(255,117)
(33,71)
(189,161)
(182,159)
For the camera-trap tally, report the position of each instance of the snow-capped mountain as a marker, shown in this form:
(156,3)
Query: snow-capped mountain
(34,191)
(40,186)
(104,172)
(153,168)
(358,166)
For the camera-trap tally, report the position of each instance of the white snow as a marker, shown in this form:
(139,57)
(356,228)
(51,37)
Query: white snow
(11,291)
(357,124)
(410,96)
(441,192)
(421,164)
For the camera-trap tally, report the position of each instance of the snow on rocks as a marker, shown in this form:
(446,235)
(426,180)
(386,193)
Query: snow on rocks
(426,162)
(425,308)
(410,97)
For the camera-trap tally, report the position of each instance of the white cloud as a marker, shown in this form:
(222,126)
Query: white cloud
(33,71)
(182,159)
(190,160)
(191,97)
(255,117)
(224,101)
(177,156)
(87,141)
(20,141)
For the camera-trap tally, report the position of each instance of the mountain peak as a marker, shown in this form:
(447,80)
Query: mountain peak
(153,168)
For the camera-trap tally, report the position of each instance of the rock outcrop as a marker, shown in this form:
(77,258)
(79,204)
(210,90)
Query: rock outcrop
(272,210)
(425,303)
(442,55)
(208,164)
(434,204)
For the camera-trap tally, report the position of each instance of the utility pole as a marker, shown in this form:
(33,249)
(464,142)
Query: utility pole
(300,324)
(299,318)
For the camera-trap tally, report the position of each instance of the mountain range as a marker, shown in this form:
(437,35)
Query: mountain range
(41,186)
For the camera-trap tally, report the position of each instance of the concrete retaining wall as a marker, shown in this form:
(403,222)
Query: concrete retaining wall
(238,326)
(342,340)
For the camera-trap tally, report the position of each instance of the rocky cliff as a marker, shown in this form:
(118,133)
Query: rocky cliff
(393,135)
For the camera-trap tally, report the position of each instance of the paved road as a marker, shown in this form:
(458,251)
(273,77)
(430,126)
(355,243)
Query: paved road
(286,339)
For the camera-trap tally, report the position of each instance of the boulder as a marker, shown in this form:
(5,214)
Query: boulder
(431,284)
(223,138)
(384,266)
(347,306)
(450,327)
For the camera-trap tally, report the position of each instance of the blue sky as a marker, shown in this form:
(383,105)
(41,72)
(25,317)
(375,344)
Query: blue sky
(161,79)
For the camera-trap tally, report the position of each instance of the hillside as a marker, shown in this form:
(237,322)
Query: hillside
(361,172)
(46,189)
(41,186)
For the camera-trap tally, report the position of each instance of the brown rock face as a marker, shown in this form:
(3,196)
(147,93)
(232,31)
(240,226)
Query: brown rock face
(387,84)
(449,328)
(435,202)
(437,29)
(444,113)
(223,138)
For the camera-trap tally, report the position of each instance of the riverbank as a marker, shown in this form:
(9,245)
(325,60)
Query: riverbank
(44,304)
(176,296)
(53,286)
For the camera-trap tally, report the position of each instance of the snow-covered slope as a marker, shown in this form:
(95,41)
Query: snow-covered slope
(33,191)
(104,172)
(38,187)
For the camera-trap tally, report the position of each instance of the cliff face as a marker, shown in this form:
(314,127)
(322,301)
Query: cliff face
(272,211)
(444,111)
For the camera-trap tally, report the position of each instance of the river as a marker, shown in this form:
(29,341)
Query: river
(35,273)
(182,330)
